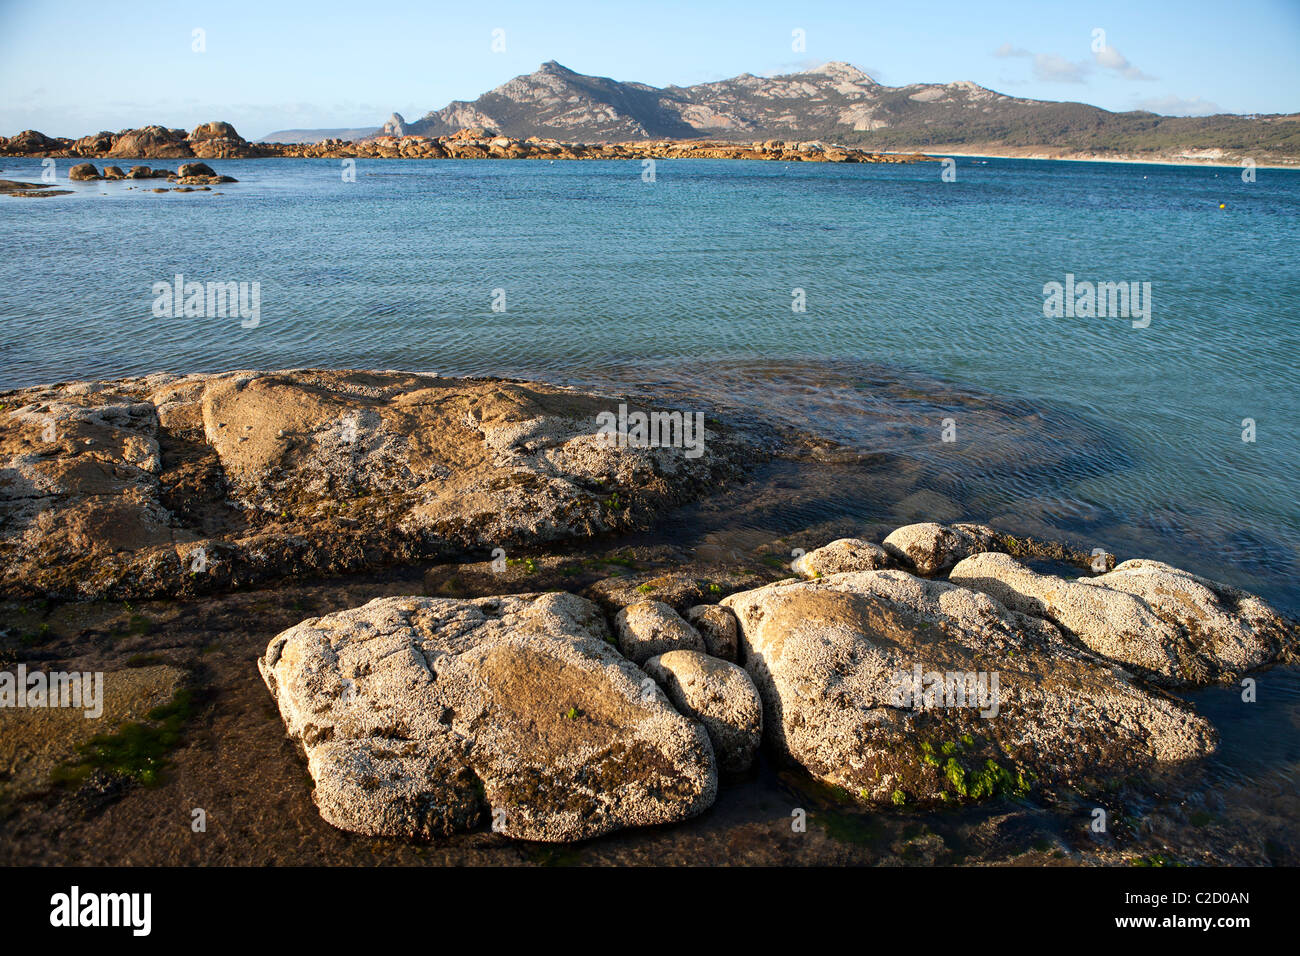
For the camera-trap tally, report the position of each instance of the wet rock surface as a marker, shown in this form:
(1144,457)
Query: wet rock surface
(174,484)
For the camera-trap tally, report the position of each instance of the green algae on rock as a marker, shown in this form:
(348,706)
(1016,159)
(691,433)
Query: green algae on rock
(827,656)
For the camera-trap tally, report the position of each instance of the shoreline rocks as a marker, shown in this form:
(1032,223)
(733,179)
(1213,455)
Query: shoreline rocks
(189,174)
(903,690)
(651,628)
(1174,627)
(720,696)
(427,716)
(182,484)
(843,554)
(558,718)
(218,140)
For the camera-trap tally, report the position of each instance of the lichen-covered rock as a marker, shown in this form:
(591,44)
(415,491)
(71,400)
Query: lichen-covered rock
(717,626)
(928,548)
(649,628)
(422,716)
(719,695)
(902,689)
(1173,626)
(309,472)
(843,554)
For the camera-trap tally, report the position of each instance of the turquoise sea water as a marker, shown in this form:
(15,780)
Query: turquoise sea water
(685,285)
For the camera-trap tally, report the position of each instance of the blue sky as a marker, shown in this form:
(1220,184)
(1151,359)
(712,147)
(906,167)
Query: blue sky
(69,67)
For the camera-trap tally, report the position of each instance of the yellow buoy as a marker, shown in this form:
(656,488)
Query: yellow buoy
(1223,205)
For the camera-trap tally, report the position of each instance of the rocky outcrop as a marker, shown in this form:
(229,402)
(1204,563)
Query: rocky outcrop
(720,696)
(150,142)
(214,140)
(905,690)
(220,141)
(9,187)
(176,484)
(31,143)
(1174,627)
(83,172)
(843,554)
(424,716)
(649,628)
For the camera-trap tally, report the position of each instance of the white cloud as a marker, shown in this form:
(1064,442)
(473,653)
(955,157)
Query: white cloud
(1051,68)
(1048,67)
(1178,106)
(1111,59)
(1007,49)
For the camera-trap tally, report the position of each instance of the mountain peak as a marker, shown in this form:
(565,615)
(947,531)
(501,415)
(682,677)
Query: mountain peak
(843,71)
(555,67)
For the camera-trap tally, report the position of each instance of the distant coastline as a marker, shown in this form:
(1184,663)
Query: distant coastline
(218,140)
(1039,153)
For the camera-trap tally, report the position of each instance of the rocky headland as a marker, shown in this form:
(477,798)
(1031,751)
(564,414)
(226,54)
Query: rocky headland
(219,140)
(551,699)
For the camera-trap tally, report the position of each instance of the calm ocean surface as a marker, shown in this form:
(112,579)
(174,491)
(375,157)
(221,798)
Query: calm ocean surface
(685,285)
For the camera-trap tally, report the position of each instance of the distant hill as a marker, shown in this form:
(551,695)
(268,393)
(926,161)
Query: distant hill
(317,135)
(840,103)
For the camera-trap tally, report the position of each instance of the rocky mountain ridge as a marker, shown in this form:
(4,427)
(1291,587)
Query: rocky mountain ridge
(840,103)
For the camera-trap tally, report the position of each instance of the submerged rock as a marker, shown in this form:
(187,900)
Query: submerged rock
(679,590)
(423,716)
(1173,626)
(901,690)
(719,695)
(268,474)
